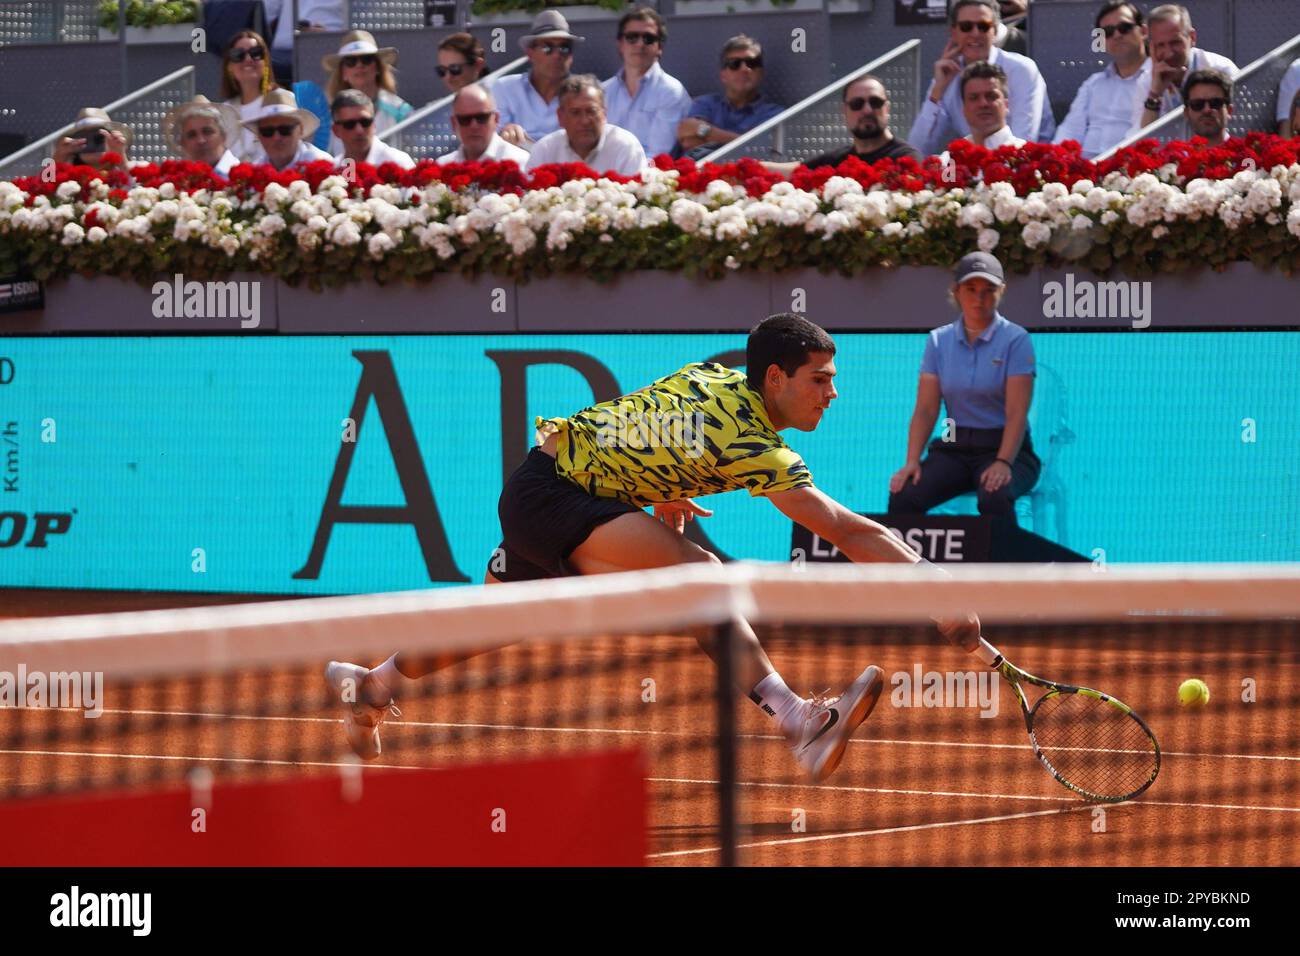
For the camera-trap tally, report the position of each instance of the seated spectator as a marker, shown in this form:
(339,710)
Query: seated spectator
(527,101)
(1286,93)
(355,127)
(245,79)
(1101,115)
(92,135)
(866,114)
(1174,55)
(1293,127)
(362,65)
(1007,37)
(584,136)
(474,119)
(641,98)
(201,130)
(983,89)
(717,118)
(981,368)
(314,16)
(941,117)
(461,61)
(282,130)
(1208,95)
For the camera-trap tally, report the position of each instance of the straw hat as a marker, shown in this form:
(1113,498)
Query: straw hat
(549,25)
(173,124)
(359,43)
(92,118)
(280,103)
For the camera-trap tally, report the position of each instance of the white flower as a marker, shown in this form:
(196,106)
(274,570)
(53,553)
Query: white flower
(73,234)
(891,229)
(1036,234)
(96,234)
(270,225)
(687,215)
(1080,223)
(988,239)
(345,233)
(68,190)
(1293,221)
(379,244)
(1159,232)
(167,190)
(1108,217)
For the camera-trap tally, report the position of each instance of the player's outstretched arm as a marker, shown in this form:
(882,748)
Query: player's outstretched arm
(860,538)
(865,540)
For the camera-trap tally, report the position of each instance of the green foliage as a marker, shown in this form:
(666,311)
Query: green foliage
(148,13)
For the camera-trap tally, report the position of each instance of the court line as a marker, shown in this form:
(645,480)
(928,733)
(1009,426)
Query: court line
(253,760)
(679,733)
(988,796)
(821,838)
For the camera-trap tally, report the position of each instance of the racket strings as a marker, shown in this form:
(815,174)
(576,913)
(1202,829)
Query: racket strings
(1096,746)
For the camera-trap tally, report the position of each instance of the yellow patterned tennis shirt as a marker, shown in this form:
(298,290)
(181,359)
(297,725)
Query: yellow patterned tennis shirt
(700,431)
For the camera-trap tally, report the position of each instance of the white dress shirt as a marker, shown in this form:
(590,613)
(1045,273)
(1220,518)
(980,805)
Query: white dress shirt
(1101,115)
(1286,91)
(498,150)
(328,13)
(1173,99)
(380,153)
(226,163)
(248,145)
(661,102)
(519,102)
(1030,113)
(617,149)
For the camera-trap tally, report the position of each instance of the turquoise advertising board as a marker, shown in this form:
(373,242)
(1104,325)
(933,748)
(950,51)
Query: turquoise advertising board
(220,464)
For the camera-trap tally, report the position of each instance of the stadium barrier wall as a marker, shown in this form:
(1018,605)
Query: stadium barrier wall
(334,464)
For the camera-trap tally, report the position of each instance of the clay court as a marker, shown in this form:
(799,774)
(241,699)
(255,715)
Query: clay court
(918,785)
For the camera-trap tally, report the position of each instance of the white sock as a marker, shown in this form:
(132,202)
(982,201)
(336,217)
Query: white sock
(780,702)
(388,682)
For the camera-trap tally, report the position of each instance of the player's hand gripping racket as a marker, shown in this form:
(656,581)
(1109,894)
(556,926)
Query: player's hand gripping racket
(1089,741)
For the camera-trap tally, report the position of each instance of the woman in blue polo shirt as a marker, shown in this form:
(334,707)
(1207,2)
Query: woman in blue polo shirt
(981,368)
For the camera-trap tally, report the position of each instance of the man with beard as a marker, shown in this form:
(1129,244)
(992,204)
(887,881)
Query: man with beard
(1174,55)
(1208,95)
(866,115)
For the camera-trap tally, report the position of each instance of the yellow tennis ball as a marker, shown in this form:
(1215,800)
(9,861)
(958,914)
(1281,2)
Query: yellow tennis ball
(1193,693)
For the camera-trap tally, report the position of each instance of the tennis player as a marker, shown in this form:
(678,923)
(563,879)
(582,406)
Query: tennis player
(576,506)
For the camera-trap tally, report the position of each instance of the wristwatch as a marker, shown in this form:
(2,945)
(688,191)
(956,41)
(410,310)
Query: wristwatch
(1152,103)
(703,130)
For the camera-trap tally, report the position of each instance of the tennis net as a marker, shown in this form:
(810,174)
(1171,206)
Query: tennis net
(942,773)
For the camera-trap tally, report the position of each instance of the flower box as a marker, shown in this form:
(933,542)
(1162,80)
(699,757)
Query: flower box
(168,33)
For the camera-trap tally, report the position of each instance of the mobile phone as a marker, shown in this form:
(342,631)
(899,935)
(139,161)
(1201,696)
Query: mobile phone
(95,142)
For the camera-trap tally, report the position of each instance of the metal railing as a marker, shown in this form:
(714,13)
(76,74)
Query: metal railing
(1254,102)
(815,124)
(142,110)
(427,133)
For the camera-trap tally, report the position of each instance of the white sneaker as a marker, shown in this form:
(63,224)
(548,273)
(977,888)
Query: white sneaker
(829,723)
(360,720)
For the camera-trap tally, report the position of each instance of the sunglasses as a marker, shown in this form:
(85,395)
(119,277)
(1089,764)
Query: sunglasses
(201,131)
(966,26)
(1123,28)
(649,39)
(240,54)
(456,69)
(266,132)
(465,119)
(736,62)
(858,102)
(564,49)
(1214,103)
(367,59)
(365,122)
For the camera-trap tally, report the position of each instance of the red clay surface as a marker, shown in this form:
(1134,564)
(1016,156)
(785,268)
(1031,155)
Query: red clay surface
(918,785)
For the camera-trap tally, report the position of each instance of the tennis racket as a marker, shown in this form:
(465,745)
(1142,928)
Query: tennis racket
(1089,741)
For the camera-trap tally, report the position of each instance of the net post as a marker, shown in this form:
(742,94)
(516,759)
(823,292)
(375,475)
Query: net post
(725,642)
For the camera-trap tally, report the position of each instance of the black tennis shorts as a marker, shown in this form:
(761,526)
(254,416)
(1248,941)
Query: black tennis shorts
(544,517)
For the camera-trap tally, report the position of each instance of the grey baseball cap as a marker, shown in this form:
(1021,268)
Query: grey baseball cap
(978,265)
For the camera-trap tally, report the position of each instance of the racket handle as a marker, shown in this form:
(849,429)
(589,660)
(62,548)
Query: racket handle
(987,653)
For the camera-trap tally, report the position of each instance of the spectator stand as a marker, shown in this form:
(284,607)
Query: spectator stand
(1060,41)
(427,133)
(142,110)
(1254,100)
(816,124)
